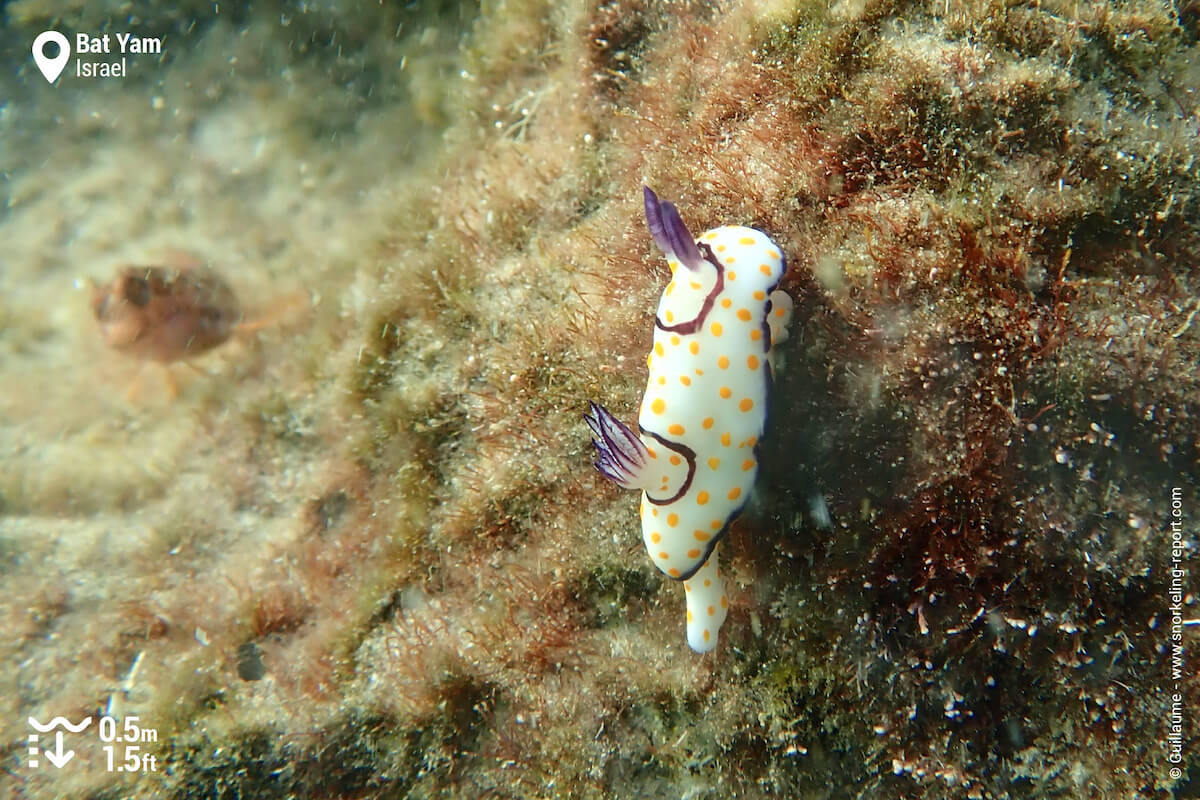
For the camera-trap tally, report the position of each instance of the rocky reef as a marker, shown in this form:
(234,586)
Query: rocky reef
(362,552)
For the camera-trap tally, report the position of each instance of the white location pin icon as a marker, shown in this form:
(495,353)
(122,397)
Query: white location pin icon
(51,67)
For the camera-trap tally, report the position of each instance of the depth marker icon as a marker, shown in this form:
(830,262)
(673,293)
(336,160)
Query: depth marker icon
(58,757)
(51,68)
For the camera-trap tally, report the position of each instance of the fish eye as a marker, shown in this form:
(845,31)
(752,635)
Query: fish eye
(136,291)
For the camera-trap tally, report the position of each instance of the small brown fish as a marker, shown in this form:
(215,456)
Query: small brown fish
(166,314)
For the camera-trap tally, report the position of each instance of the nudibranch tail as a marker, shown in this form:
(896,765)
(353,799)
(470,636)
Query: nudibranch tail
(669,232)
(707,606)
(620,455)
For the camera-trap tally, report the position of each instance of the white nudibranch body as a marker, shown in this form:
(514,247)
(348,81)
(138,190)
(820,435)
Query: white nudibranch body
(695,456)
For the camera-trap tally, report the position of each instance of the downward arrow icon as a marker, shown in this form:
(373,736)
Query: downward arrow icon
(56,756)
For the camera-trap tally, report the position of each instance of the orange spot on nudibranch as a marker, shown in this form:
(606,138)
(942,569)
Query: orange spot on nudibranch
(735,493)
(726,392)
(675,460)
(674,573)
(746,404)
(675,430)
(685,380)
(708,423)
(723,362)
(745,240)
(726,303)
(743,314)
(693,553)
(694,347)
(672,520)
(755,334)
(764,269)
(714,463)
(702,498)
(658,406)
(716,329)
(752,362)
(656,537)
(701,536)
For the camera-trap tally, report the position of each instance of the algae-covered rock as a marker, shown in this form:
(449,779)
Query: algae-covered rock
(361,551)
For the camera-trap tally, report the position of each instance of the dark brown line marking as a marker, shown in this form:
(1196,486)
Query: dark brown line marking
(683,450)
(690,327)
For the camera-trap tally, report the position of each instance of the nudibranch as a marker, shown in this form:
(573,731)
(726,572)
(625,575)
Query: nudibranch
(695,453)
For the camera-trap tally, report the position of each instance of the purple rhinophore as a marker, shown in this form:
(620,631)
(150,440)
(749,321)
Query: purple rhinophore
(669,232)
(620,455)
(654,220)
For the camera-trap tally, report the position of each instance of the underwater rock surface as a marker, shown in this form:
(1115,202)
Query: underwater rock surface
(362,552)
